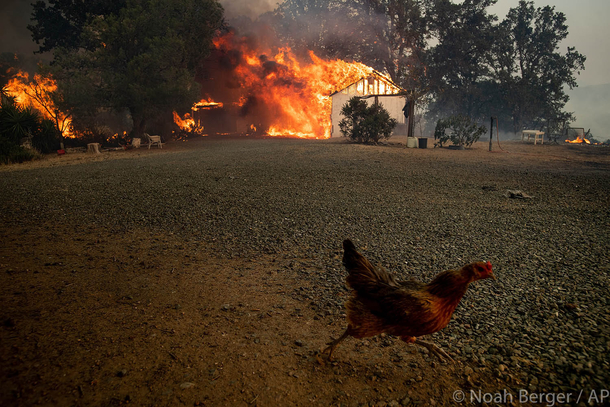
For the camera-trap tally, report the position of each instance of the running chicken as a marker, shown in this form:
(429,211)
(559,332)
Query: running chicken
(407,309)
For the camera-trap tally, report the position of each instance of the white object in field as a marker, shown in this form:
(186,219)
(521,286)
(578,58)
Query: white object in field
(537,135)
(93,148)
(153,140)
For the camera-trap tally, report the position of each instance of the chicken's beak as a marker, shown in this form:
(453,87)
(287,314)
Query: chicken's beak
(492,276)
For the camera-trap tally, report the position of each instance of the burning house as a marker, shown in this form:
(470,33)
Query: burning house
(374,88)
(252,88)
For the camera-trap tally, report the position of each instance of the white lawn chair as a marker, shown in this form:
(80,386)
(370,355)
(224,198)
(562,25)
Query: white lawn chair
(153,140)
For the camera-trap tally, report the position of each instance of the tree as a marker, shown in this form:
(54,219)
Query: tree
(19,122)
(530,70)
(41,94)
(364,123)
(459,66)
(458,129)
(60,23)
(145,58)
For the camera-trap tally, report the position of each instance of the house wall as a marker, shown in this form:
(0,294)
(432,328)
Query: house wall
(392,103)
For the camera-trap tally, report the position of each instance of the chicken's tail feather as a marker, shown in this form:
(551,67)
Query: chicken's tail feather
(363,276)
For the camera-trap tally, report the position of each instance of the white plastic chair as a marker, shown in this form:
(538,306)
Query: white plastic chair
(153,140)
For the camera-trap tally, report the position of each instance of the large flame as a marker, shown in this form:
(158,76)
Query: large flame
(276,92)
(37,94)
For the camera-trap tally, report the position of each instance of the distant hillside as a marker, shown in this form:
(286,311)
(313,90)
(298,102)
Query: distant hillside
(591,106)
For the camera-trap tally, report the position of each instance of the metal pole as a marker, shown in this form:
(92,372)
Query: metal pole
(491,132)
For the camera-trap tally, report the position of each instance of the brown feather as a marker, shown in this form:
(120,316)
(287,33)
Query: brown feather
(380,304)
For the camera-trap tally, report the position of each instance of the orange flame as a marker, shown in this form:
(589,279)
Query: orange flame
(38,95)
(578,140)
(187,124)
(206,104)
(294,93)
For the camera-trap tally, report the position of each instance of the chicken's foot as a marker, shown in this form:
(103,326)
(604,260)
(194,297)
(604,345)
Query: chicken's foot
(333,344)
(438,352)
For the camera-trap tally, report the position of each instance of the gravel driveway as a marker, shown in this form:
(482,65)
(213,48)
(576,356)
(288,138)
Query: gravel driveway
(544,322)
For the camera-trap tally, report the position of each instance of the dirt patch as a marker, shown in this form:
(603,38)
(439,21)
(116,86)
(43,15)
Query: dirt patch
(92,317)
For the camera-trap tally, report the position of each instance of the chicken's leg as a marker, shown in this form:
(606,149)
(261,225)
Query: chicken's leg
(330,349)
(438,352)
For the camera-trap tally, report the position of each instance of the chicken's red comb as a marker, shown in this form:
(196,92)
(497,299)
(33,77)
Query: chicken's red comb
(488,264)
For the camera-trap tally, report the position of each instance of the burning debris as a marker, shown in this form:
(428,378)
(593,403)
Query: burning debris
(578,140)
(256,88)
(578,135)
(187,124)
(191,123)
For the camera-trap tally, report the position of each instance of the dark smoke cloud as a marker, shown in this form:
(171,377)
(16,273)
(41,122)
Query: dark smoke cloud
(14,34)
(15,16)
(16,39)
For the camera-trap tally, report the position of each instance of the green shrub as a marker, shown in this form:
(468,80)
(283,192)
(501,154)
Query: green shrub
(17,122)
(458,129)
(13,153)
(46,140)
(365,124)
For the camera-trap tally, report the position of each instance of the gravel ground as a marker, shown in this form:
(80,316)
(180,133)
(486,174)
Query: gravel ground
(544,323)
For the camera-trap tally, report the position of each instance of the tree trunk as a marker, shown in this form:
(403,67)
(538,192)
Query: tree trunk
(411,121)
(139,125)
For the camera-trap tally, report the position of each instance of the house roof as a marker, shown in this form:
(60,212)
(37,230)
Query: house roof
(388,87)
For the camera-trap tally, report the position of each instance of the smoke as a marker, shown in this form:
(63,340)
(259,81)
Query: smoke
(15,16)
(590,105)
(247,8)
(224,75)
(14,34)
(16,40)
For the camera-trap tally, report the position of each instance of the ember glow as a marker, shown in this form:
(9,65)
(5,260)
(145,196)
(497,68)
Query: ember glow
(275,92)
(38,95)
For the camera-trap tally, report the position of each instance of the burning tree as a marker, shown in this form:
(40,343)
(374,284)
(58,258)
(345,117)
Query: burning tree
(41,95)
(21,129)
(387,35)
(142,57)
